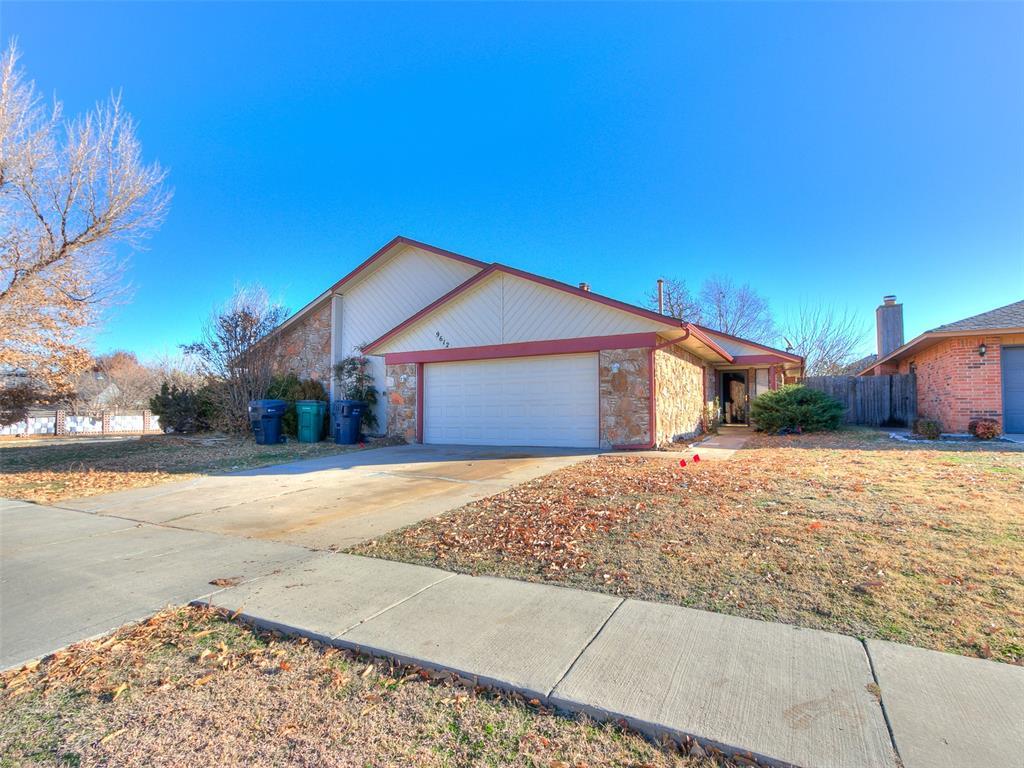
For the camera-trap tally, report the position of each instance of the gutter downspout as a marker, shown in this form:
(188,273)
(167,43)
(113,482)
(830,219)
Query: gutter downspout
(653,418)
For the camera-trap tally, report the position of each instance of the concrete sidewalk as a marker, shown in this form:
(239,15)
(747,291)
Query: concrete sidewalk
(66,576)
(783,695)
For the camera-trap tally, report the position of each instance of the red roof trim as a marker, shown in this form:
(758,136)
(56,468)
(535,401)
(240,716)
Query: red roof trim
(432,306)
(526,349)
(698,333)
(401,240)
(758,359)
(614,303)
(773,350)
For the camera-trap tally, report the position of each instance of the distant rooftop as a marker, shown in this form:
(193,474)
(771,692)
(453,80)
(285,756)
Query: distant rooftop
(1010,316)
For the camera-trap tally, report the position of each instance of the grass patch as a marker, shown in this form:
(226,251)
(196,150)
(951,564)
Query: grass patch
(190,687)
(42,472)
(847,531)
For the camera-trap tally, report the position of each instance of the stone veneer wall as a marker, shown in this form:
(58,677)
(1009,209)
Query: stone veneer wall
(402,401)
(625,414)
(306,346)
(678,378)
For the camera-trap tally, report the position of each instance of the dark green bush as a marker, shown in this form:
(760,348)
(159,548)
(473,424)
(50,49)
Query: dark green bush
(291,388)
(929,429)
(796,407)
(183,409)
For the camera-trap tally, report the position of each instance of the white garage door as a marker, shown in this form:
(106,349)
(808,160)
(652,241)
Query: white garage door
(550,400)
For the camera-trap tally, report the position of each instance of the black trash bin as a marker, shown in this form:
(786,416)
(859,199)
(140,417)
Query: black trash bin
(347,416)
(265,419)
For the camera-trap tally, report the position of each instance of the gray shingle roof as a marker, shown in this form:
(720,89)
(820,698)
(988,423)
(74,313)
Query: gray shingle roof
(1010,316)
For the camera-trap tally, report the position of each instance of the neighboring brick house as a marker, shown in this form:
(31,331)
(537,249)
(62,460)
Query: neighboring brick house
(971,368)
(469,352)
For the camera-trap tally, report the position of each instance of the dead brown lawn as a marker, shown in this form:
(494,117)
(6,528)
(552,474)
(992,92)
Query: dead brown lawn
(850,532)
(190,687)
(46,472)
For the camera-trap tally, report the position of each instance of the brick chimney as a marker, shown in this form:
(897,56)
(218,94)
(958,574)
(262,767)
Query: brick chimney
(889,322)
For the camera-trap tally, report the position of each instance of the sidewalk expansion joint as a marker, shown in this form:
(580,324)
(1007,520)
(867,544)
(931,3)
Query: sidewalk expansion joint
(393,605)
(585,647)
(881,700)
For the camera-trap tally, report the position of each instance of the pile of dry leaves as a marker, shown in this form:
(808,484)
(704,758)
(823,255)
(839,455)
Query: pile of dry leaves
(845,532)
(550,520)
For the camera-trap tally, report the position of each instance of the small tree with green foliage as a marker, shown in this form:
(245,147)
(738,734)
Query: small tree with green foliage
(182,409)
(291,388)
(796,407)
(355,382)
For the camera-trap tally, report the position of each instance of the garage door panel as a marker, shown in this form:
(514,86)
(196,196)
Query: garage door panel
(1013,389)
(549,400)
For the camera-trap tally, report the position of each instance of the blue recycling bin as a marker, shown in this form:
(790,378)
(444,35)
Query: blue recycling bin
(265,419)
(347,416)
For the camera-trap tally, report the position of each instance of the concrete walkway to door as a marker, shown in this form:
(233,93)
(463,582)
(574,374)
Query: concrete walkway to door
(336,501)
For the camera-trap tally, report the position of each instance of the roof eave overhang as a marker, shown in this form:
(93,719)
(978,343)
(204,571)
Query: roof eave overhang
(928,338)
(366,267)
(670,323)
(790,356)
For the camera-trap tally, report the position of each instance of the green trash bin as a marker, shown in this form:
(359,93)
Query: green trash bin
(311,420)
(321,417)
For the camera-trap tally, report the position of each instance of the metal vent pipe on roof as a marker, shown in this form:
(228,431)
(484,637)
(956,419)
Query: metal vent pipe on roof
(585,287)
(661,296)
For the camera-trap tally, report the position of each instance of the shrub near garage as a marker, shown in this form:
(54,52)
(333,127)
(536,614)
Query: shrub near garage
(984,429)
(795,406)
(929,429)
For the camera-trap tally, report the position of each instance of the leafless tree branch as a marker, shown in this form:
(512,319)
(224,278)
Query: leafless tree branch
(69,191)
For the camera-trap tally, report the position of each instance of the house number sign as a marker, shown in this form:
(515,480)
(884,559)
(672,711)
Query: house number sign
(442,339)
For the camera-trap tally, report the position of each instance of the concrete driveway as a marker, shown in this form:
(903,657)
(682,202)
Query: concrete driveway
(334,501)
(71,572)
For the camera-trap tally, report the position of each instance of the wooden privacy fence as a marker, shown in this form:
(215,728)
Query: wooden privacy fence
(874,401)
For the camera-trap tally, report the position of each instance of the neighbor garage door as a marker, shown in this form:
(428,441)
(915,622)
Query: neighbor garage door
(550,400)
(1013,389)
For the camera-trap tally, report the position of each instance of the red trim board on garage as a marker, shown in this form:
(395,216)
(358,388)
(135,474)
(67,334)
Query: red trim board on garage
(525,349)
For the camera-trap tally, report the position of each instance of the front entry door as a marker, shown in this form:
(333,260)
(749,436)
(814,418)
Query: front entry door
(735,402)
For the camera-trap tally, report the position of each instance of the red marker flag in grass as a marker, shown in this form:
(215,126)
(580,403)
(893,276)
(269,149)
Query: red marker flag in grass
(682,462)
(696,458)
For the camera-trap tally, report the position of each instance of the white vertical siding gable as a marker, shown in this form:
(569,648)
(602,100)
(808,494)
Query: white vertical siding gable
(372,304)
(506,309)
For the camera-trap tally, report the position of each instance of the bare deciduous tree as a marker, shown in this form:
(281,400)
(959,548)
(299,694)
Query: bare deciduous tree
(826,337)
(117,380)
(677,300)
(69,191)
(238,353)
(738,310)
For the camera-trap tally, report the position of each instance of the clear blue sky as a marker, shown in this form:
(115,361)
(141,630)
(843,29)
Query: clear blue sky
(830,152)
